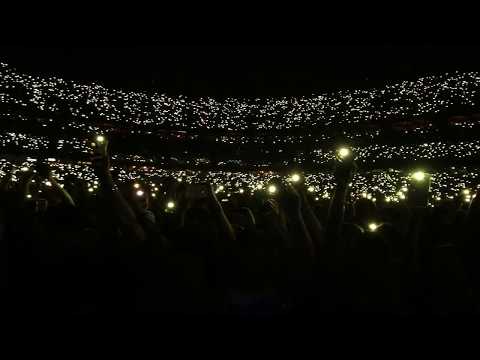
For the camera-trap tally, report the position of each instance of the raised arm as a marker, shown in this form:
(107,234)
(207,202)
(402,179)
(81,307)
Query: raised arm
(63,195)
(344,172)
(473,214)
(275,223)
(224,225)
(417,201)
(115,202)
(292,207)
(314,226)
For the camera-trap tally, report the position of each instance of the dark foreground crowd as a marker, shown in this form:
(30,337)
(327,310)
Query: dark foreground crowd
(66,250)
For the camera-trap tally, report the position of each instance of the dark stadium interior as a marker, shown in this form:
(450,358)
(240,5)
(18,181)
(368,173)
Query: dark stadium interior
(244,181)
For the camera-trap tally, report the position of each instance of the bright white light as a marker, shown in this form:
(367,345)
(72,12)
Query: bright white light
(311,189)
(295,178)
(100,139)
(372,227)
(139,193)
(241,191)
(418,176)
(343,152)
(272,189)
(170,205)
(136,186)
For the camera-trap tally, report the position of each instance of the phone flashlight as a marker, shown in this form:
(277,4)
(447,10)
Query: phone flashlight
(295,178)
(343,152)
(372,227)
(418,176)
(272,189)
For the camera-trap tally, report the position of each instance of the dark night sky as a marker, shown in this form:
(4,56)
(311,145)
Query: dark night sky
(243,70)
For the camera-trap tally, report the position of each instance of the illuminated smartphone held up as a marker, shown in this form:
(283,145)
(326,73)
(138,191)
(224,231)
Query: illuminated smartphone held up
(99,145)
(419,188)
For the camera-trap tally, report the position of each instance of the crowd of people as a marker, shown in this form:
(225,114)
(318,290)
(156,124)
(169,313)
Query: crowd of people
(189,210)
(83,102)
(187,252)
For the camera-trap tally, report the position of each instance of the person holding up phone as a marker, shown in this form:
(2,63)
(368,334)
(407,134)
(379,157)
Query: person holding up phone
(122,212)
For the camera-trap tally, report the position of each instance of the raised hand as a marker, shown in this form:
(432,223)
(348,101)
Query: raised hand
(344,170)
(118,205)
(419,190)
